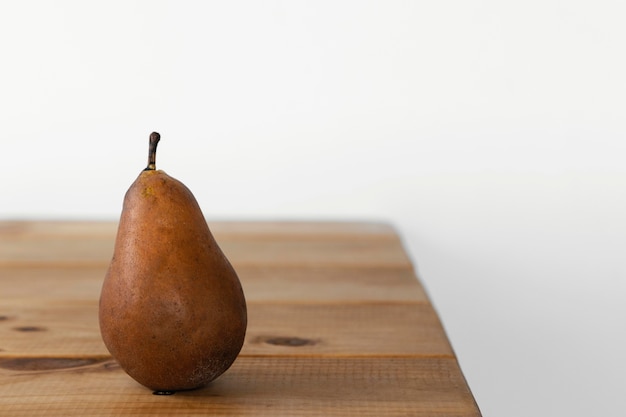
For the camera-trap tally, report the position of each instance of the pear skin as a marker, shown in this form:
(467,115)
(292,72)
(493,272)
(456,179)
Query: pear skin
(172,310)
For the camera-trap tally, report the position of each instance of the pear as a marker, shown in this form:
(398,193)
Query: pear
(172,310)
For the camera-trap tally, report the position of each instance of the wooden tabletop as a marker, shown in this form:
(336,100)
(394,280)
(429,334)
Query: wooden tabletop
(338,325)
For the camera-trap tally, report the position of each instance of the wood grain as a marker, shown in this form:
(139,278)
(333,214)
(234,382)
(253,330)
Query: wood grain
(339,325)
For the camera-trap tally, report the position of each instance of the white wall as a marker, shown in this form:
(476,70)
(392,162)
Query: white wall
(491,134)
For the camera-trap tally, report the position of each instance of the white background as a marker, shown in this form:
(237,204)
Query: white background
(491,134)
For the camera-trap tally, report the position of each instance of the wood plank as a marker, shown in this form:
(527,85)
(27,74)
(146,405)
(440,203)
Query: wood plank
(267,230)
(97,250)
(70,328)
(266,386)
(260,283)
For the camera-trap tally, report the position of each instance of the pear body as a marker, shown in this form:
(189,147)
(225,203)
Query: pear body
(172,310)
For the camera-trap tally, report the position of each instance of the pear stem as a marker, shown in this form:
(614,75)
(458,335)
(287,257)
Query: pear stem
(154,141)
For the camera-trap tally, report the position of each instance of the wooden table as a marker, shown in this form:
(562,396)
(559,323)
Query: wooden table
(338,325)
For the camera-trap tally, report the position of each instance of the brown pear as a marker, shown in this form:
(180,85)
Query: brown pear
(172,310)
